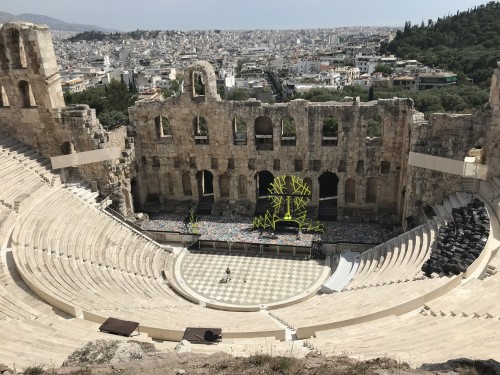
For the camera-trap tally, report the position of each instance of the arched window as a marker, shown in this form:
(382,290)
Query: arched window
(330,131)
(240,131)
(4,100)
(242,186)
(67,148)
(224,185)
(263,133)
(198,84)
(200,131)
(288,131)
(186,184)
(360,166)
(28,100)
(342,166)
(17,53)
(350,191)
(163,126)
(371,190)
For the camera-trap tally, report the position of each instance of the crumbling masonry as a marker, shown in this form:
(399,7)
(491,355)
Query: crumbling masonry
(181,150)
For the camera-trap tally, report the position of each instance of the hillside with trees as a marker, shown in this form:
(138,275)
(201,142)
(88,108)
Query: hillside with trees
(467,43)
(110,102)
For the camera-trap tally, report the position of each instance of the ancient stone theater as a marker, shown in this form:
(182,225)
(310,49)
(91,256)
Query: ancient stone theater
(73,269)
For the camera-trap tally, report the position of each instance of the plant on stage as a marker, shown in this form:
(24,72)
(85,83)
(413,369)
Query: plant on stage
(289,197)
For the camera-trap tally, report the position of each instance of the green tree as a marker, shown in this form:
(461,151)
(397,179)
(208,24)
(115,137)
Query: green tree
(383,68)
(238,94)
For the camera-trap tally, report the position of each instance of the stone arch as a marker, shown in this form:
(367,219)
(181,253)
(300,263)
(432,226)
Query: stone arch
(200,126)
(224,185)
(67,148)
(342,166)
(288,131)
(186,184)
(205,183)
(371,190)
(264,181)
(263,127)
(350,191)
(206,72)
(197,84)
(239,131)
(242,186)
(17,52)
(4,99)
(329,131)
(27,98)
(328,188)
(163,126)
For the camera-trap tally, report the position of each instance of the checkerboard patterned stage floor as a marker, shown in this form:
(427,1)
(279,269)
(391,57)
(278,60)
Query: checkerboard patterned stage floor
(254,279)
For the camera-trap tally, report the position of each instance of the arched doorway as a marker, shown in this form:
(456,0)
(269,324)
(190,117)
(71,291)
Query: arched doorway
(205,183)
(264,179)
(328,187)
(27,98)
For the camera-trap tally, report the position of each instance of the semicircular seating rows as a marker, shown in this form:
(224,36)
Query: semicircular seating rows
(66,265)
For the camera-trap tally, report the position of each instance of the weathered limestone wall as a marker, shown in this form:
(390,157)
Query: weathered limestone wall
(444,135)
(492,151)
(32,108)
(162,161)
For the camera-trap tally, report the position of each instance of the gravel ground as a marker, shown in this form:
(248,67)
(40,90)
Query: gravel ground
(234,228)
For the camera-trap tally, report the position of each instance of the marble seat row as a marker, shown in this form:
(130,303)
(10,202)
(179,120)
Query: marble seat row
(413,339)
(29,159)
(357,306)
(397,260)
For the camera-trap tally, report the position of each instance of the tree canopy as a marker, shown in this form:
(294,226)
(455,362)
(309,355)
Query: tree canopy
(467,43)
(110,102)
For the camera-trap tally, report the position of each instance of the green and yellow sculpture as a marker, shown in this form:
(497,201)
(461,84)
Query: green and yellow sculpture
(289,196)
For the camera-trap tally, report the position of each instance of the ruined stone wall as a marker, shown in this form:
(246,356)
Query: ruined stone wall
(32,108)
(163,160)
(444,135)
(492,150)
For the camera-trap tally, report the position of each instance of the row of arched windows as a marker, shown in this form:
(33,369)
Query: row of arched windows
(263,131)
(25,93)
(205,180)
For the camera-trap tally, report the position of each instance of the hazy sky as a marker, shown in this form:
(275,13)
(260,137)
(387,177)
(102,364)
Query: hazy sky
(237,14)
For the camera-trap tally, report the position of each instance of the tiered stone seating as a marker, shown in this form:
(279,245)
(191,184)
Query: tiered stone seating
(357,306)
(27,157)
(76,258)
(395,261)
(413,339)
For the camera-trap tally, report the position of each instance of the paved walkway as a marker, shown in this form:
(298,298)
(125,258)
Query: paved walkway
(254,279)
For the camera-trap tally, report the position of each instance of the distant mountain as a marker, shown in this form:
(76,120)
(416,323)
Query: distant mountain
(53,23)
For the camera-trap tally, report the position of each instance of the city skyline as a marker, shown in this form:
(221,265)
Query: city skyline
(126,15)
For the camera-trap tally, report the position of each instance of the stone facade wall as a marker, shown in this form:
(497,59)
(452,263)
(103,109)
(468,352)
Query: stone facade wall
(163,160)
(32,109)
(168,144)
(444,135)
